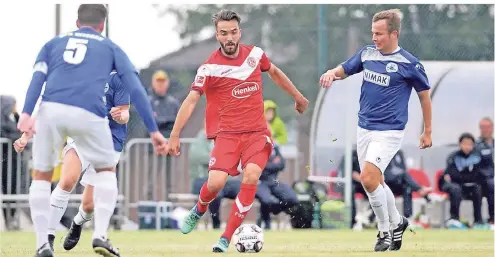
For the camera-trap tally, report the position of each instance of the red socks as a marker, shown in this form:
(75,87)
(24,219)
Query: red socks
(240,208)
(205,197)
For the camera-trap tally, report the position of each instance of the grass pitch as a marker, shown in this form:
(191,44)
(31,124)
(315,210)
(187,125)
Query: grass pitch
(334,243)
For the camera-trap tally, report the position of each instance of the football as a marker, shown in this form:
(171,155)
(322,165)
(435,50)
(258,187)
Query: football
(248,238)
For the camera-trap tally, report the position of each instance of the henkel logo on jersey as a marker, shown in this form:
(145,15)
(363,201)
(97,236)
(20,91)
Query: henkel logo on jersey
(245,90)
(376,78)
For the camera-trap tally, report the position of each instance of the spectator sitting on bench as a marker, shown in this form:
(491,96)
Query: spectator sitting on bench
(461,178)
(485,146)
(199,158)
(274,196)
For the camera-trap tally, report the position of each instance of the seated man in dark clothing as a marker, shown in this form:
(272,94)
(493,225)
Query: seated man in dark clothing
(461,178)
(274,196)
(484,145)
(396,177)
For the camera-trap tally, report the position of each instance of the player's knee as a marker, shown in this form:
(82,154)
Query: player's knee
(216,180)
(371,177)
(215,186)
(252,174)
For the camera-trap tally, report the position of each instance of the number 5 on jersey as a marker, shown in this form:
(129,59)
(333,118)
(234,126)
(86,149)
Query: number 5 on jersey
(75,50)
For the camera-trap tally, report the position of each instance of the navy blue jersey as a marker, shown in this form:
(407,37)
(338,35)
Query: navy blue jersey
(486,151)
(116,95)
(386,89)
(76,66)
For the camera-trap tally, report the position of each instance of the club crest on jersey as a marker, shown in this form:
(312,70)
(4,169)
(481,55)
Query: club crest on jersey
(376,78)
(212,161)
(107,87)
(420,67)
(251,62)
(245,90)
(392,67)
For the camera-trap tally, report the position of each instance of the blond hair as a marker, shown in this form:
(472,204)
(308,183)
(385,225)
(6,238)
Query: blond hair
(393,17)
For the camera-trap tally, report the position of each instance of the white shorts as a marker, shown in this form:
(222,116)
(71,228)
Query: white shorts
(89,173)
(56,121)
(378,147)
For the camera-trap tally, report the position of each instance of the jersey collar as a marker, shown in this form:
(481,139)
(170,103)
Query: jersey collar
(88,29)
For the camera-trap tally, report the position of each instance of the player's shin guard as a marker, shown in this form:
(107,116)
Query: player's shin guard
(393,213)
(240,208)
(378,202)
(205,197)
(105,199)
(58,204)
(39,204)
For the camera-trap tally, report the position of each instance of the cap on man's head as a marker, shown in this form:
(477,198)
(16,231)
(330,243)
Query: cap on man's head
(160,74)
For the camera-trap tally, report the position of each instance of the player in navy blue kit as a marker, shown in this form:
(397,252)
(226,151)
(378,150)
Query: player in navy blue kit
(117,102)
(390,73)
(75,67)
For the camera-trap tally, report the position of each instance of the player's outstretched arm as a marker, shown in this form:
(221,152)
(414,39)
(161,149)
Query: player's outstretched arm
(138,96)
(183,116)
(425,100)
(134,88)
(140,100)
(281,80)
(185,112)
(350,67)
(40,71)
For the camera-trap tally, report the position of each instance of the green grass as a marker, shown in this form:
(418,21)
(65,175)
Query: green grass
(334,243)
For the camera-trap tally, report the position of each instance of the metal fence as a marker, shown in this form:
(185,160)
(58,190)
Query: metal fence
(142,176)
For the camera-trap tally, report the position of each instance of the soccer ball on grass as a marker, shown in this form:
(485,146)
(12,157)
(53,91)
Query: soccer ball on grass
(248,238)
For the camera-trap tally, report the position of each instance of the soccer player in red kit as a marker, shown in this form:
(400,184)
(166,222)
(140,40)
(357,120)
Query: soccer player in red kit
(231,80)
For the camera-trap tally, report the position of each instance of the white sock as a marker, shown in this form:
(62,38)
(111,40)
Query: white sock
(393,213)
(378,202)
(105,199)
(82,216)
(58,204)
(39,204)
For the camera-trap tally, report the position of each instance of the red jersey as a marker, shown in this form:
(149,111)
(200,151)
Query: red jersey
(233,89)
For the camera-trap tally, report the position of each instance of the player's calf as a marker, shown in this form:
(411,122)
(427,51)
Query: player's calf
(84,215)
(71,170)
(39,204)
(59,200)
(243,202)
(209,190)
(371,177)
(105,197)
